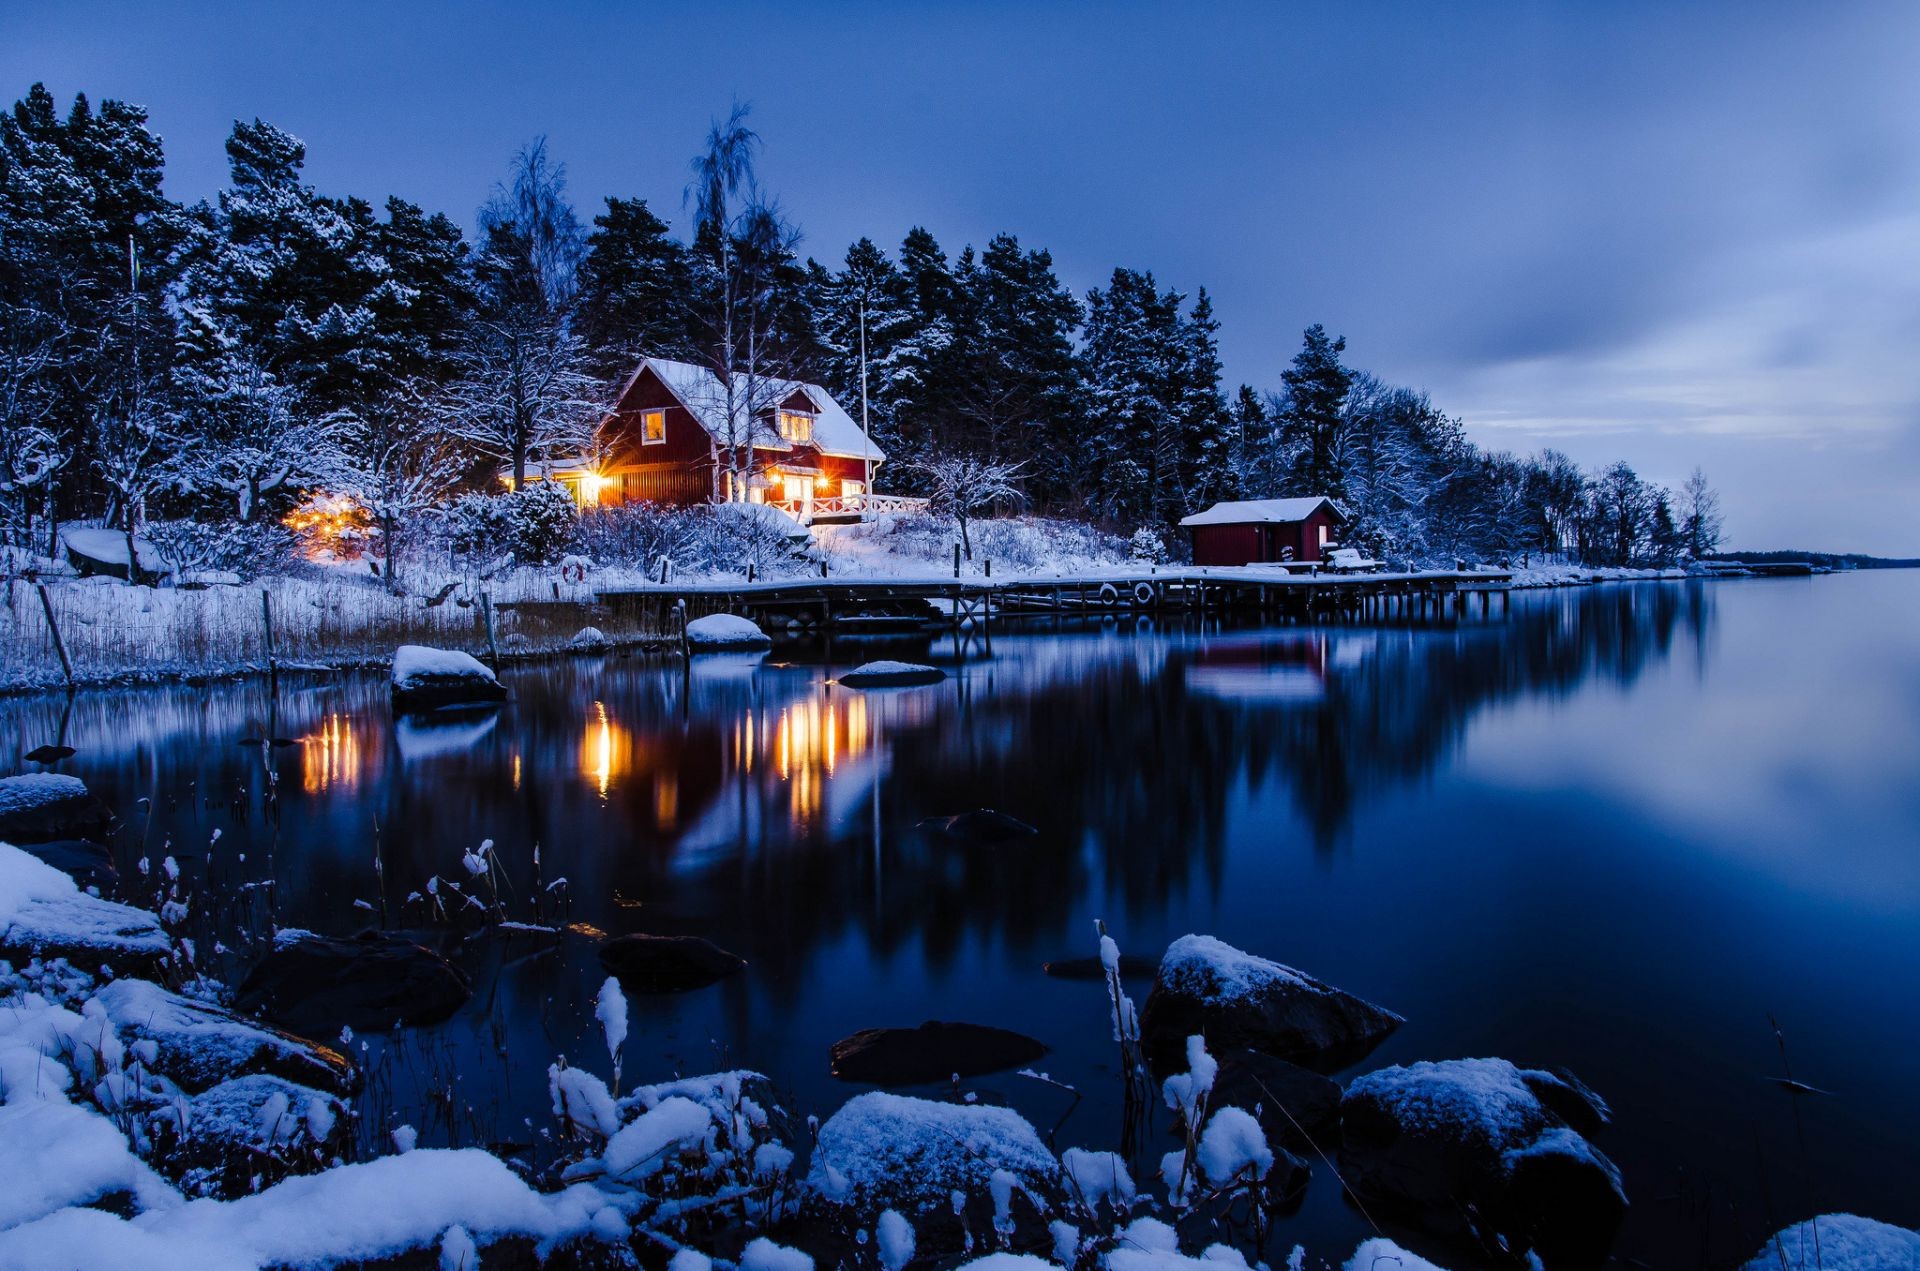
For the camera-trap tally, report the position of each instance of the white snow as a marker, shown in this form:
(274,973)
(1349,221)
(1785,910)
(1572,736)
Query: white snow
(610,1008)
(1381,1254)
(365,1211)
(1482,1099)
(1233,1148)
(415,665)
(1845,1242)
(33,790)
(1186,1092)
(40,905)
(895,1237)
(724,631)
(581,1100)
(1214,971)
(457,1251)
(650,1141)
(1008,1262)
(764,1255)
(1257,511)
(888,667)
(590,638)
(110,547)
(1099,1176)
(916,1150)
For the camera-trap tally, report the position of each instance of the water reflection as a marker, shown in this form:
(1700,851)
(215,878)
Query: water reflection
(331,755)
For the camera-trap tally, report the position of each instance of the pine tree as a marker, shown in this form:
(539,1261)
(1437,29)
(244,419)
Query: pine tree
(1208,469)
(865,302)
(1317,386)
(634,289)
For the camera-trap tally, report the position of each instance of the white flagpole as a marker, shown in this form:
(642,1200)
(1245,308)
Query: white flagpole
(866,463)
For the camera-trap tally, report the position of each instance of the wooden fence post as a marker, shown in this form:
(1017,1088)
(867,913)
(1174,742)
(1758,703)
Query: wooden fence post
(956,560)
(486,613)
(266,619)
(59,645)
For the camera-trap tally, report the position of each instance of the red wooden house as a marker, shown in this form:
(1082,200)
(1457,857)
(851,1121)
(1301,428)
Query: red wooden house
(1264,531)
(674,436)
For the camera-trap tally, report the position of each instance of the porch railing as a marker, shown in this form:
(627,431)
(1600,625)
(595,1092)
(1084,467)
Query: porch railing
(850,505)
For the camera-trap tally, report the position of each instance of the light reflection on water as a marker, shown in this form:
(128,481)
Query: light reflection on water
(1614,832)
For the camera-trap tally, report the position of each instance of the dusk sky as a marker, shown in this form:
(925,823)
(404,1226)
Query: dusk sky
(1674,234)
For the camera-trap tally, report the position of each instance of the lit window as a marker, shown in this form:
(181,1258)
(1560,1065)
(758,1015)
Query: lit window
(852,489)
(653,427)
(1323,536)
(795,426)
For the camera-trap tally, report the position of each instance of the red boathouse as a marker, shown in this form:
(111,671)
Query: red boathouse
(1266,531)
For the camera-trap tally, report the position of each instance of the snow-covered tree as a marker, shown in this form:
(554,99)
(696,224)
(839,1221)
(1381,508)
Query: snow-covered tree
(399,468)
(239,432)
(963,486)
(1317,387)
(635,288)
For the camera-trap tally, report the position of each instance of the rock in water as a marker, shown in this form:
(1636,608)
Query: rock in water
(981,826)
(426,679)
(1238,1000)
(50,754)
(318,985)
(232,1128)
(886,1151)
(892,675)
(725,631)
(932,1052)
(1297,1107)
(1839,1242)
(200,1045)
(43,913)
(38,807)
(1469,1147)
(667,964)
(590,638)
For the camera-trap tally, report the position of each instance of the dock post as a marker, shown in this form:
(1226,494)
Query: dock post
(956,560)
(266,618)
(59,645)
(486,613)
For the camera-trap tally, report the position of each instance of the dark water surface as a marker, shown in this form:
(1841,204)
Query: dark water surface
(1615,831)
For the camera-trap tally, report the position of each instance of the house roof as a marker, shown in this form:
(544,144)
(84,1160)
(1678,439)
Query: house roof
(834,431)
(1262,511)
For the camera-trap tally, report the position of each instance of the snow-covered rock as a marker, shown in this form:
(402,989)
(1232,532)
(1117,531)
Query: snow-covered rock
(1482,1142)
(198,1045)
(726,631)
(1839,1242)
(1235,999)
(887,674)
(590,638)
(40,806)
(95,551)
(43,912)
(233,1128)
(887,1151)
(428,679)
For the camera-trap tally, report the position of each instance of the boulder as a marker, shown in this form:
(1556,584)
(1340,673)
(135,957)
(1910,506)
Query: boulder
(198,1045)
(43,913)
(885,1151)
(317,985)
(1467,1147)
(87,864)
(1296,1107)
(667,964)
(935,1051)
(427,679)
(982,826)
(241,1129)
(1839,1242)
(892,675)
(50,754)
(95,552)
(1237,1000)
(590,638)
(38,807)
(725,631)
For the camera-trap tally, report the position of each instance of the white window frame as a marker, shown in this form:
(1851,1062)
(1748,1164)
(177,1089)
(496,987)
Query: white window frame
(661,440)
(780,417)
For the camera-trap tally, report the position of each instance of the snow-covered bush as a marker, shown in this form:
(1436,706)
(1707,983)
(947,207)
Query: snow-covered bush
(534,525)
(1146,546)
(191,549)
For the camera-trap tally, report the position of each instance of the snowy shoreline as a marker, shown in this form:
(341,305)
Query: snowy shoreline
(93,608)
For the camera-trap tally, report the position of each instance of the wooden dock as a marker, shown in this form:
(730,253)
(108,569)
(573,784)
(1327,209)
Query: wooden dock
(883,605)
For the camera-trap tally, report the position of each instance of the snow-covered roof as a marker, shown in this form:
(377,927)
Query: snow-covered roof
(834,431)
(1262,511)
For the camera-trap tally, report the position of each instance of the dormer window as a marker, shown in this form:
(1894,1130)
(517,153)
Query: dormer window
(653,427)
(795,426)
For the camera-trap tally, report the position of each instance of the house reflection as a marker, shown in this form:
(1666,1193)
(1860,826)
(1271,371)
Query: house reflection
(330,755)
(606,751)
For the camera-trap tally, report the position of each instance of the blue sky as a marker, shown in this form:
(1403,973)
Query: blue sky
(1674,233)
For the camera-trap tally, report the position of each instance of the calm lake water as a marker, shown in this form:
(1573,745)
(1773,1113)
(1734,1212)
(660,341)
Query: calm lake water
(1616,830)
